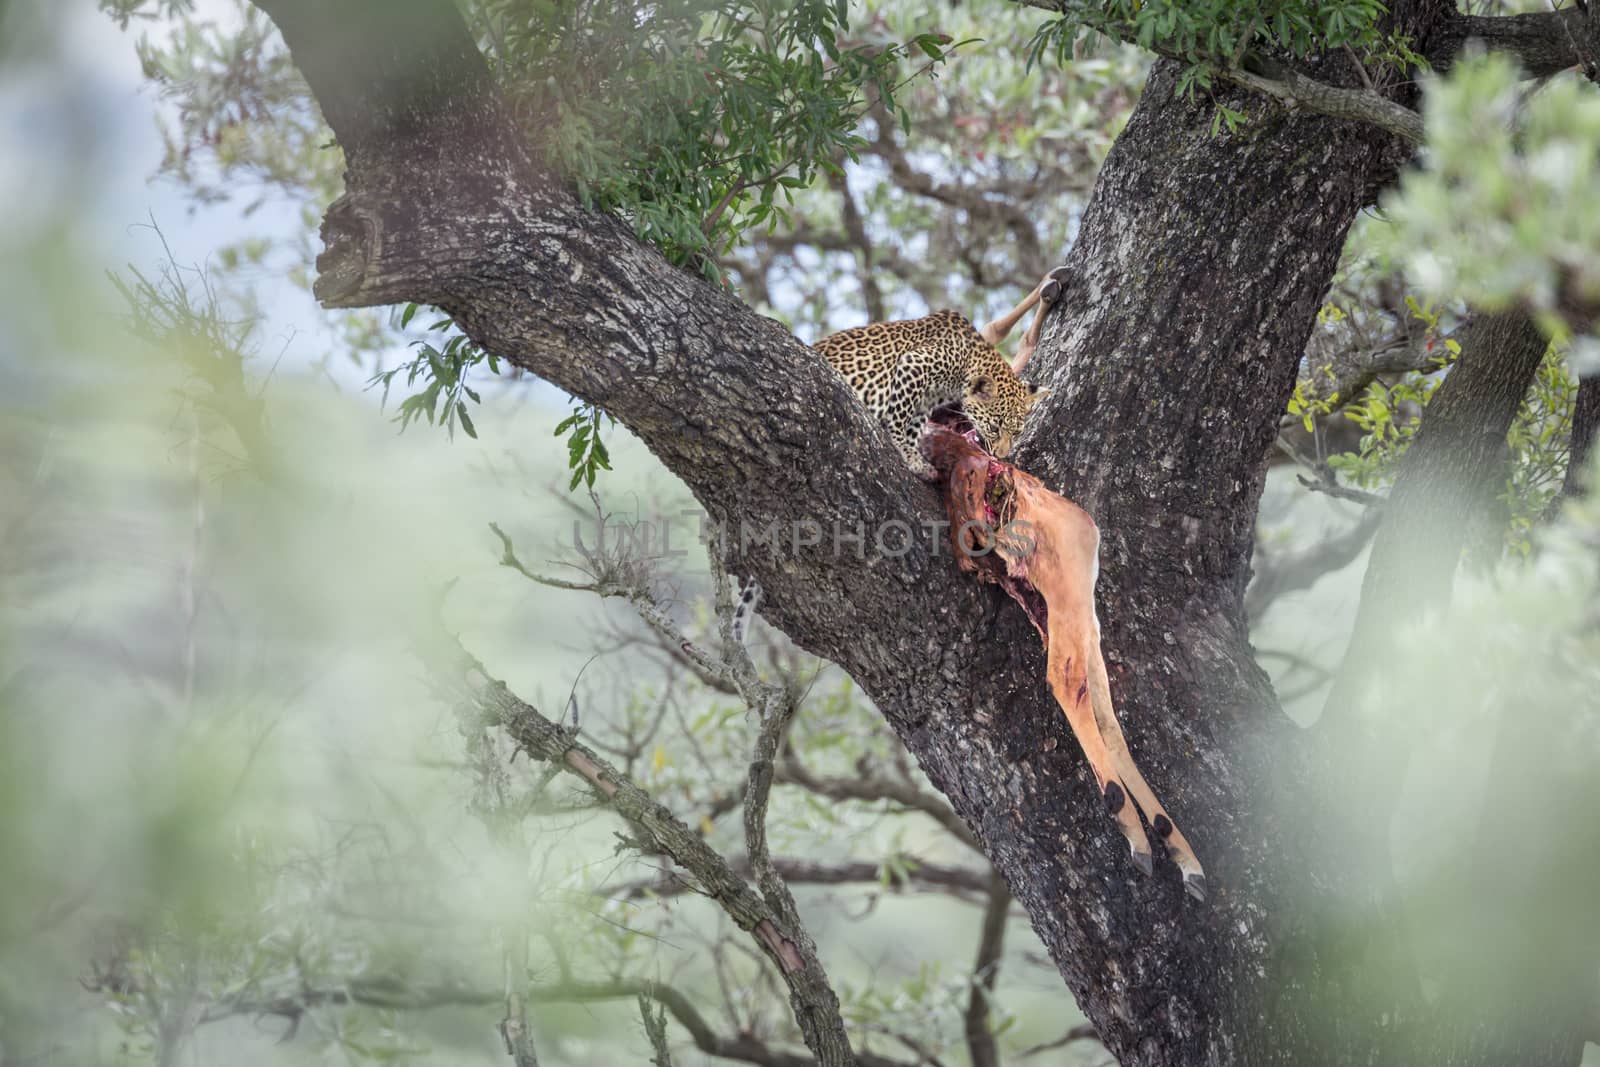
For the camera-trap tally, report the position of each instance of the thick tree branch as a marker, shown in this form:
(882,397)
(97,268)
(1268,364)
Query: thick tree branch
(1293,89)
(1545,42)
(1443,483)
(1296,90)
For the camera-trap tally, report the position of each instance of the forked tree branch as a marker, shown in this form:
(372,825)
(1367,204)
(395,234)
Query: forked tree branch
(1544,43)
(775,933)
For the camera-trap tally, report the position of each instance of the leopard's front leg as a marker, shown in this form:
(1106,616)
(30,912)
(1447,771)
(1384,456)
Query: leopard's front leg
(924,379)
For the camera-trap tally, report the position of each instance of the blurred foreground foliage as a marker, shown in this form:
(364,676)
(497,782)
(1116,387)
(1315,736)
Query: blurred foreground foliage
(1491,217)
(230,801)
(241,823)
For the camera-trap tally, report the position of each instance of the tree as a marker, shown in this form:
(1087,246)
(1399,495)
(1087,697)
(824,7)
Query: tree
(1200,267)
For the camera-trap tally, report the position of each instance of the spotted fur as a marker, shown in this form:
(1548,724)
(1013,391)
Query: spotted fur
(749,597)
(902,371)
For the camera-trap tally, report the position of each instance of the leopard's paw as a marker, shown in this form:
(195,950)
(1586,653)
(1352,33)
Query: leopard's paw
(923,469)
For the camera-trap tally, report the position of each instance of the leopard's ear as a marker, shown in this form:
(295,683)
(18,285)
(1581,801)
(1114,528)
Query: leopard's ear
(1038,396)
(981,386)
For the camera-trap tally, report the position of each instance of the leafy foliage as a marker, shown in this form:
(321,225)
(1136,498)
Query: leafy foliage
(586,453)
(444,394)
(443,371)
(1498,211)
(1540,442)
(1213,35)
(1389,411)
(966,208)
(697,120)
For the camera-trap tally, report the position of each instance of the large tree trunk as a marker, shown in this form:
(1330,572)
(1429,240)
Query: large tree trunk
(1201,263)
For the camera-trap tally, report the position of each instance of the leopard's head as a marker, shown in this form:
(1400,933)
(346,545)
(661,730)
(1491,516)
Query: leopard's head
(998,404)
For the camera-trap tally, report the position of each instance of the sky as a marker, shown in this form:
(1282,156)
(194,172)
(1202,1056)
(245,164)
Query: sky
(78,130)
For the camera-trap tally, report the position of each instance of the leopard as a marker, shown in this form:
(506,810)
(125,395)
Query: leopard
(905,371)
(911,370)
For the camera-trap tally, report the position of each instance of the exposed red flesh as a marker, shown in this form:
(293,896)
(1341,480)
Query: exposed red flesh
(981,494)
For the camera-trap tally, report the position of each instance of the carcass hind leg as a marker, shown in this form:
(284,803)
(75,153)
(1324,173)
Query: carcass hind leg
(1048,293)
(1105,714)
(1069,680)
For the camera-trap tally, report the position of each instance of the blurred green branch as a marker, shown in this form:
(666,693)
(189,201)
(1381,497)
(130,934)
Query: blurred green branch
(170,314)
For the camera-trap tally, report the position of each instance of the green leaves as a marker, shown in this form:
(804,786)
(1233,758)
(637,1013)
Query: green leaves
(694,119)
(443,395)
(1499,210)
(442,400)
(586,453)
(1212,35)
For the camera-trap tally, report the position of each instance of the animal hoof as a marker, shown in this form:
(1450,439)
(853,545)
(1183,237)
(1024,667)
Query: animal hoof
(1143,861)
(1195,885)
(1050,292)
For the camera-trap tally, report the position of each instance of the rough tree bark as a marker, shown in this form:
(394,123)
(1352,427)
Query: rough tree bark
(1585,420)
(1202,261)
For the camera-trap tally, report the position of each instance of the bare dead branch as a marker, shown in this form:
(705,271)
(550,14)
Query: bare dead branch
(815,1005)
(897,874)
(991,944)
(1276,575)
(617,576)
(655,1028)
(871,788)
